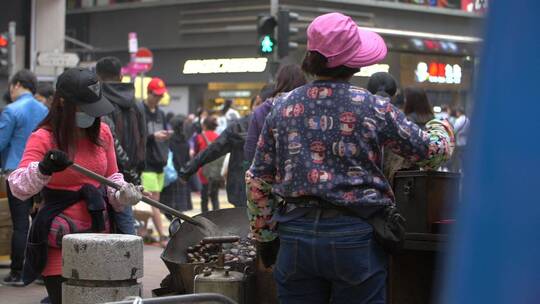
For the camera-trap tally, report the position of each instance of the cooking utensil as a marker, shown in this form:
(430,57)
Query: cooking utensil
(206,226)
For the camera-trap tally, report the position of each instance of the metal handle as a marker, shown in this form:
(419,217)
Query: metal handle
(190,298)
(145,199)
(220,239)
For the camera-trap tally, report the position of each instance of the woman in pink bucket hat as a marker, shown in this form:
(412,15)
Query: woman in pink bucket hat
(323,163)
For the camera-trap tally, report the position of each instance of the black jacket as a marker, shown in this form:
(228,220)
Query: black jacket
(127,124)
(57,201)
(230,141)
(156,152)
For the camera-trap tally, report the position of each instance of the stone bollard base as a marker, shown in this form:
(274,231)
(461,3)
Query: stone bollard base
(92,295)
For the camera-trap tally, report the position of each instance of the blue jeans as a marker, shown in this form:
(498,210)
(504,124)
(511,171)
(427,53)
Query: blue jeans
(125,222)
(332,260)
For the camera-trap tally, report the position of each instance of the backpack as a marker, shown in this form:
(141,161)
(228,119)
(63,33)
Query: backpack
(130,129)
(212,170)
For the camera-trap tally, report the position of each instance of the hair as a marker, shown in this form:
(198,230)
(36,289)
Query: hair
(289,77)
(267,91)
(26,79)
(177,125)
(168,117)
(226,106)
(210,123)
(416,101)
(7,97)
(314,63)
(399,100)
(382,84)
(61,122)
(109,69)
(45,89)
(460,109)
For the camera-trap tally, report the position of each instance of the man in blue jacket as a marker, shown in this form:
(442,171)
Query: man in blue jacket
(17,122)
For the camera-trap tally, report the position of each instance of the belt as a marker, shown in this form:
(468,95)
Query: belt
(319,208)
(326,213)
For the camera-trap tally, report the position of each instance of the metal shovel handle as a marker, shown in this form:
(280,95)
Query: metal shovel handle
(145,199)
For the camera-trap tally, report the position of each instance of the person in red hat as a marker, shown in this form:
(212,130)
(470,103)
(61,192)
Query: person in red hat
(157,147)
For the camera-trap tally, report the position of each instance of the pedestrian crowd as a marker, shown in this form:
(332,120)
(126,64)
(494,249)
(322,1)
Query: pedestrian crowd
(314,152)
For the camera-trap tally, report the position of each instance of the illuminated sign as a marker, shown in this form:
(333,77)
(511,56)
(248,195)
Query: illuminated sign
(232,94)
(372,69)
(225,65)
(436,72)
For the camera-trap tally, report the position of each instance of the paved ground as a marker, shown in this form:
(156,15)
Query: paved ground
(154,269)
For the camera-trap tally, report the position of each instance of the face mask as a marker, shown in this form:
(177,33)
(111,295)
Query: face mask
(84,120)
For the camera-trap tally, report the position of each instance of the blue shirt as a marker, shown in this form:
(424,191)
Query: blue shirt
(17,122)
(324,140)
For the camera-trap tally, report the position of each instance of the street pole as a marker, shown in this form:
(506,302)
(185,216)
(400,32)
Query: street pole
(274,61)
(12,48)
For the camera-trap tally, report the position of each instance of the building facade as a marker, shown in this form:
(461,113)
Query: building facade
(432,47)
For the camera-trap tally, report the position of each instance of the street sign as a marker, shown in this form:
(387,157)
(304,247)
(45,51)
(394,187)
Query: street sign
(144,60)
(58,60)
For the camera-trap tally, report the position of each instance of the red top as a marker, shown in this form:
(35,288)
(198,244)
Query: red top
(200,145)
(101,160)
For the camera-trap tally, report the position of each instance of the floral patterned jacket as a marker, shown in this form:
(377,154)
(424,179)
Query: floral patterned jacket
(324,140)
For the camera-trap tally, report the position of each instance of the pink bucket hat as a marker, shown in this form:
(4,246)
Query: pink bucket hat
(342,42)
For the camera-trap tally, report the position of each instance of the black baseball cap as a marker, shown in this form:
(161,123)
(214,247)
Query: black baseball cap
(82,87)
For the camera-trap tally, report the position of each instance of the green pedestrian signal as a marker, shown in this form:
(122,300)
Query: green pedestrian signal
(267,45)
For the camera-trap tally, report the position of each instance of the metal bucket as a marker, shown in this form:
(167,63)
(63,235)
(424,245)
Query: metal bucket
(232,221)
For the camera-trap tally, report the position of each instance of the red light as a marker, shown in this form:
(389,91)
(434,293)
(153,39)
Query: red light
(3,41)
(433,69)
(441,72)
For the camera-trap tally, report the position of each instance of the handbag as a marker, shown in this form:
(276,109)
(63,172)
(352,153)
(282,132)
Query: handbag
(212,170)
(169,171)
(389,229)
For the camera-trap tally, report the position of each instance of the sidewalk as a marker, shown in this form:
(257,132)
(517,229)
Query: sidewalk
(154,268)
(154,272)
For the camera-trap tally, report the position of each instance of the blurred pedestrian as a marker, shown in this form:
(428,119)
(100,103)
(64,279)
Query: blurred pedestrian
(157,149)
(382,84)
(72,131)
(177,195)
(319,151)
(210,184)
(445,113)
(417,106)
(231,141)
(461,130)
(45,93)
(128,128)
(227,115)
(288,78)
(17,122)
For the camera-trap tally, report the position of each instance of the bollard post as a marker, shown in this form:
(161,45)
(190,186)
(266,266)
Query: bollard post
(101,267)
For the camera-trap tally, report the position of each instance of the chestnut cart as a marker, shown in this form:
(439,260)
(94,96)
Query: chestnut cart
(426,199)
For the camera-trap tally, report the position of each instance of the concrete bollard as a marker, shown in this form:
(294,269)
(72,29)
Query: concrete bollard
(101,267)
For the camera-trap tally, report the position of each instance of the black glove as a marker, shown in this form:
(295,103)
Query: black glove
(268,252)
(182,175)
(54,161)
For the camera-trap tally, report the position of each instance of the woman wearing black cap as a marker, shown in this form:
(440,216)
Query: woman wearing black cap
(72,132)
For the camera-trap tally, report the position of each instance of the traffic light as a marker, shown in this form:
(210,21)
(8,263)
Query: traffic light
(285,31)
(4,53)
(265,29)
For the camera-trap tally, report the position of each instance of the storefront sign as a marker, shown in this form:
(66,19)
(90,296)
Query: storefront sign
(372,69)
(234,94)
(225,65)
(437,72)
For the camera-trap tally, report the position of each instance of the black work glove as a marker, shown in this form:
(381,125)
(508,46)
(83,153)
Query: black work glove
(54,161)
(268,252)
(182,175)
